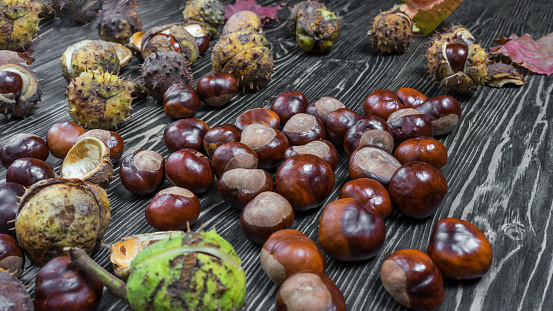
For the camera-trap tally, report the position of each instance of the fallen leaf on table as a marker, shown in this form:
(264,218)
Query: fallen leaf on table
(428,14)
(536,56)
(265,13)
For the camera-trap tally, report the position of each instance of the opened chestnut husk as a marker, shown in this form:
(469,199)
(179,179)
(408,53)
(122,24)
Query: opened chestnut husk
(88,160)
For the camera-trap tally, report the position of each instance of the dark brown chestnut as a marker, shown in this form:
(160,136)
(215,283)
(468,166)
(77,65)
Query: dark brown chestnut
(9,204)
(173,208)
(409,123)
(410,98)
(62,285)
(218,135)
(369,193)
(444,112)
(323,106)
(417,189)
(27,171)
(348,231)
(112,140)
(459,249)
(185,133)
(413,280)
(239,186)
(456,54)
(217,89)
(142,171)
(309,290)
(233,155)
(374,163)
(302,128)
(268,143)
(288,251)
(180,101)
(190,169)
(338,123)
(267,213)
(369,131)
(62,136)
(382,103)
(203,44)
(10,192)
(321,148)
(258,116)
(23,146)
(288,104)
(12,258)
(424,149)
(305,181)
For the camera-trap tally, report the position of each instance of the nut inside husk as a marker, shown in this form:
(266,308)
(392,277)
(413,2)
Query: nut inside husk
(88,160)
(23,101)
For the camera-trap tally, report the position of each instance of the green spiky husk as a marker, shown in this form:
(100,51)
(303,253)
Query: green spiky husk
(317,31)
(18,23)
(89,55)
(392,32)
(163,69)
(196,271)
(99,100)
(209,12)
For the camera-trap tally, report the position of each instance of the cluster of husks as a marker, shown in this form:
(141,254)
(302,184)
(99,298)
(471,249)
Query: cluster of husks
(209,12)
(316,28)
(391,32)
(119,20)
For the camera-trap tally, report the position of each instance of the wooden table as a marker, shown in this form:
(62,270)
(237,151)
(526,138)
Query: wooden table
(500,154)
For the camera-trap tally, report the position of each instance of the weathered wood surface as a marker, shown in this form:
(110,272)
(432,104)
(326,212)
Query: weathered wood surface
(499,168)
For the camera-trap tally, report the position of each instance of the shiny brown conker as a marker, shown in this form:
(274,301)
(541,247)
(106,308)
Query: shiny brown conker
(374,163)
(321,148)
(348,231)
(239,186)
(369,193)
(27,171)
(424,149)
(444,113)
(456,54)
(417,189)
(323,106)
(410,98)
(203,44)
(9,204)
(288,251)
(459,249)
(11,83)
(338,123)
(180,101)
(268,143)
(23,146)
(217,89)
(185,133)
(413,280)
(265,214)
(303,128)
(112,140)
(370,130)
(12,258)
(173,208)
(309,290)
(142,171)
(288,104)
(258,116)
(409,123)
(218,135)
(62,136)
(382,103)
(305,181)
(233,155)
(190,169)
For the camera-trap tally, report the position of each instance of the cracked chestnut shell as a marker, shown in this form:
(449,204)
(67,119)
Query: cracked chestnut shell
(459,249)
(88,160)
(142,171)
(173,208)
(23,146)
(112,140)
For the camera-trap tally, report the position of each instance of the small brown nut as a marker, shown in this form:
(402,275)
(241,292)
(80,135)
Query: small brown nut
(62,136)
(233,155)
(180,101)
(88,160)
(424,149)
(113,141)
(23,146)
(374,163)
(309,290)
(142,171)
(190,169)
(173,208)
(269,143)
(369,193)
(369,131)
(321,148)
(411,98)
(382,103)
(12,258)
(323,106)
(338,123)
(217,89)
(240,185)
(444,112)
(185,133)
(303,128)
(288,104)
(409,123)
(267,213)
(258,116)
(27,171)
(218,135)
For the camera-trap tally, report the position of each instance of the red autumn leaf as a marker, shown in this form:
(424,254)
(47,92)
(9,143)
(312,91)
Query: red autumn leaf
(265,13)
(428,14)
(537,56)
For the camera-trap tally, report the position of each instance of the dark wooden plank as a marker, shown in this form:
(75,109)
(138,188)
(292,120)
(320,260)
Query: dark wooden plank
(500,155)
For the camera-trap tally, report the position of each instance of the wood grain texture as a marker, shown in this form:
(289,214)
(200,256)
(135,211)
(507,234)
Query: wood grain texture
(500,155)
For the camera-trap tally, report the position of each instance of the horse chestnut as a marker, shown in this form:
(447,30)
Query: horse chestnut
(382,103)
(239,186)
(142,171)
(112,140)
(217,89)
(12,258)
(190,169)
(410,98)
(323,106)
(27,171)
(338,122)
(219,135)
(371,130)
(62,136)
(180,101)
(424,149)
(233,155)
(23,146)
(444,113)
(288,104)
(409,123)
(374,163)
(268,143)
(309,290)
(303,128)
(369,193)
(173,208)
(258,116)
(321,148)
(185,133)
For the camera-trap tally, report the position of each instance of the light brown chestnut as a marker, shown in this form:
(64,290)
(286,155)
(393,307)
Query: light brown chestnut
(303,128)
(338,122)
(369,193)
(369,131)
(444,112)
(409,123)
(239,186)
(309,290)
(413,280)
(459,249)
(62,136)
(267,213)
(142,171)
(233,155)
(190,169)
(112,140)
(185,133)
(410,98)
(173,208)
(382,103)
(323,106)
(219,135)
(321,148)
(268,143)
(288,251)
(258,116)
(374,163)
(424,149)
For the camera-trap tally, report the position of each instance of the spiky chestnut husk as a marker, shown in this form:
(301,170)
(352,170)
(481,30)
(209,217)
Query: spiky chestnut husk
(245,55)
(317,31)
(83,11)
(302,8)
(89,55)
(474,71)
(119,20)
(391,31)
(45,10)
(243,20)
(18,23)
(209,12)
(172,37)
(57,213)
(99,100)
(500,74)
(163,69)
(196,271)
(13,294)
(22,105)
